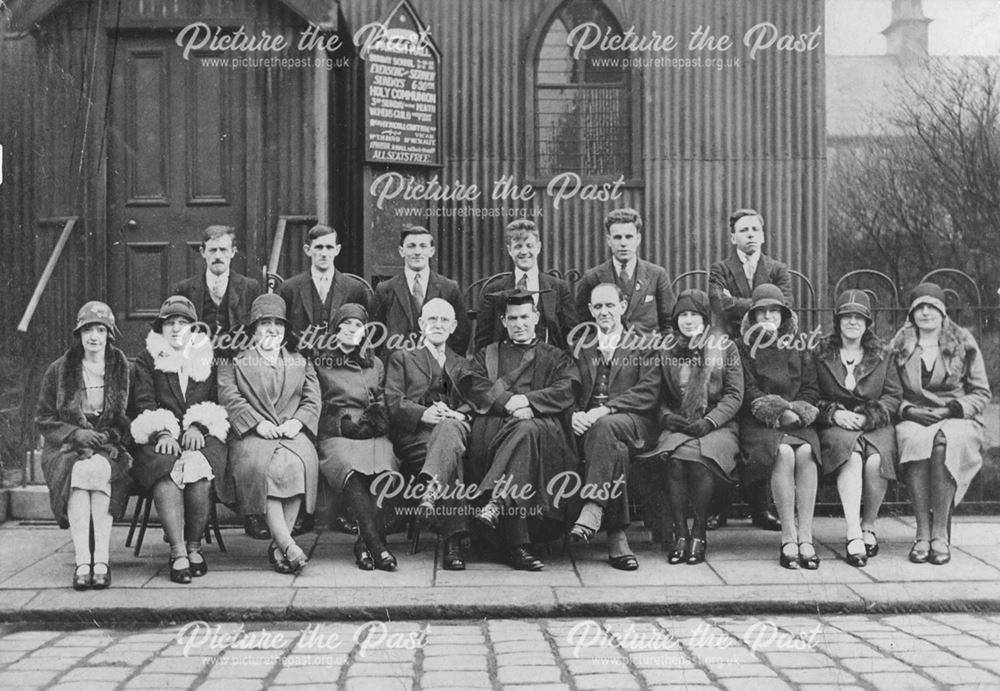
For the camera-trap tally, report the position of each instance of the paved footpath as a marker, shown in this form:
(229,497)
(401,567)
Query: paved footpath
(927,651)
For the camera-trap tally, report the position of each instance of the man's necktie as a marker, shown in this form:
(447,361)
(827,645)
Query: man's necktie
(217,291)
(418,291)
(522,283)
(624,280)
(324,288)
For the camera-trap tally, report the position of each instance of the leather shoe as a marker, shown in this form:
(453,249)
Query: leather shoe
(256,527)
(625,562)
(939,557)
(452,559)
(82,581)
(101,580)
(277,560)
(766,520)
(858,559)
(679,552)
(385,561)
(183,575)
(489,515)
(363,557)
(697,554)
(920,555)
(523,560)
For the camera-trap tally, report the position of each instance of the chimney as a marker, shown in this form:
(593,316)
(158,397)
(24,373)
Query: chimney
(906,35)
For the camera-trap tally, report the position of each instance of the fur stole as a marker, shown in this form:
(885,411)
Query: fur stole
(70,395)
(955,342)
(704,362)
(873,351)
(196,357)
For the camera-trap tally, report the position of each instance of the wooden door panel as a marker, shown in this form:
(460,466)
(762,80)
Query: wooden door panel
(207,134)
(147,269)
(147,127)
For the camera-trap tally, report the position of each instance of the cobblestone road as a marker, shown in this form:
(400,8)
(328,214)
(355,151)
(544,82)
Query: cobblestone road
(828,652)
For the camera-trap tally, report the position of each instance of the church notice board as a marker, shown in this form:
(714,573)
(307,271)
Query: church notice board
(402,91)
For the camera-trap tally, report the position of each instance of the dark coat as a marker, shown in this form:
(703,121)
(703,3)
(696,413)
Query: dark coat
(242,292)
(59,413)
(407,381)
(728,275)
(775,379)
(714,391)
(876,396)
(556,309)
(649,305)
(297,293)
(242,392)
(161,405)
(633,380)
(393,306)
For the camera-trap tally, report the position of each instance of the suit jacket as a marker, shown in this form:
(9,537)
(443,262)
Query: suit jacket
(242,292)
(393,306)
(556,309)
(728,275)
(407,379)
(649,305)
(297,294)
(633,381)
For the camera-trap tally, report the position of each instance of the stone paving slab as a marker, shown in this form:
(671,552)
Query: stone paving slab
(741,576)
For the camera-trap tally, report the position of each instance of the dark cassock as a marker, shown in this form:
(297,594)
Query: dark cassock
(515,455)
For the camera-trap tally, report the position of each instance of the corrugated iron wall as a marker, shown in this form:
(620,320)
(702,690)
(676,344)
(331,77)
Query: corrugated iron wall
(711,140)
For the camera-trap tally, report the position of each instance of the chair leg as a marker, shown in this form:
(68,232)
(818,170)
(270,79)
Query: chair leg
(148,498)
(414,534)
(135,520)
(213,524)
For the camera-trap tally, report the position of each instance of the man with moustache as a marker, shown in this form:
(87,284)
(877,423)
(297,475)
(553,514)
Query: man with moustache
(315,295)
(222,297)
(614,417)
(521,391)
(556,309)
(430,422)
(399,300)
(730,285)
(646,286)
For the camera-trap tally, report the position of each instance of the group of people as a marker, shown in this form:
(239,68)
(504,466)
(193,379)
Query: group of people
(255,395)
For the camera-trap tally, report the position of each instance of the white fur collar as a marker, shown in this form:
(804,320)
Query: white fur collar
(196,358)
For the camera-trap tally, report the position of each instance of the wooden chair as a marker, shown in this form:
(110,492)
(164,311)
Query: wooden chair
(143,505)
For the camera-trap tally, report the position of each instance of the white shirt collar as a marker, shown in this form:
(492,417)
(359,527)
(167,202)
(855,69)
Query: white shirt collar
(318,276)
(610,341)
(744,258)
(410,273)
(438,355)
(634,262)
(211,278)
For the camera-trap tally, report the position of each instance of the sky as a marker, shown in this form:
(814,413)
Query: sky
(959,27)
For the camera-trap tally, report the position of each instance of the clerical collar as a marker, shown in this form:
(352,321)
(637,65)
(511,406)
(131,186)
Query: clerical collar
(532,342)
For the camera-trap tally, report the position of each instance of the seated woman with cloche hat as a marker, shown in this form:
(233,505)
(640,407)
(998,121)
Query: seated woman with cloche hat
(273,400)
(81,415)
(180,431)
(859,395)
(940,438)
(779,407)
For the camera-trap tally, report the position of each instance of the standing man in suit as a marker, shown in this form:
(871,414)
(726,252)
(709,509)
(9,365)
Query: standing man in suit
(399,300)
(731,281)
(556,309)
(614,417)
(430,422)
(730,285)
(221,296)
(315,295)
(645,285)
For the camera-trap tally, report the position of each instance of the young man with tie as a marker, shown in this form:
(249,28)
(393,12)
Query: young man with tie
(645,285)
(730,285)
(556,309)
(399,300)
(316,294)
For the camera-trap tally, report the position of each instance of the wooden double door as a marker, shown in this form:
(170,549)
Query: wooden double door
(176,164)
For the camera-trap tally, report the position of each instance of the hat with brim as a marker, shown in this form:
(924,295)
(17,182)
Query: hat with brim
(927,294)
(769,295)
(268,306)
(95,312)
(349,310)
(175,306)
(853,301)
(692,300)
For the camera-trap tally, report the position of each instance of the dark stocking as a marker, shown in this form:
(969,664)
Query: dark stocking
(362,506)
(677,491)
(701,484)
